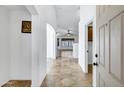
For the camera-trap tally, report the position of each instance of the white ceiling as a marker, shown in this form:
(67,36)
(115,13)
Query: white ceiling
(67,17)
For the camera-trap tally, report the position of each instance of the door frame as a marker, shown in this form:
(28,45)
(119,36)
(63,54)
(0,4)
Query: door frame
(93,21)
(86,43)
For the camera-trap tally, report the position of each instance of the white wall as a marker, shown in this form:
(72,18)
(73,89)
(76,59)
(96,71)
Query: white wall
(46,14)
(20,47)
(75,50)
(51,46)
(4,45)
(90,51)
(50,15)
(51,42)
(87,13)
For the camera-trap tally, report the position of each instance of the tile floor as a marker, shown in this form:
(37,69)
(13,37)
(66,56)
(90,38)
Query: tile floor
(18,83)
(66,72)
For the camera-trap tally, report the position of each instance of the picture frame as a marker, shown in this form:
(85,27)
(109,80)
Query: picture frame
(26,27)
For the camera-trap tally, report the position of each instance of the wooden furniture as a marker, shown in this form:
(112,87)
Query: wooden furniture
(90,33)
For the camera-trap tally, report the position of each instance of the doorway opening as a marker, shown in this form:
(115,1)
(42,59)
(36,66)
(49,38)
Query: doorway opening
(89,47)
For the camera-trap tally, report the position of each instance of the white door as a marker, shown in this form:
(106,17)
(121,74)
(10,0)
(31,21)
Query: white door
(110,46)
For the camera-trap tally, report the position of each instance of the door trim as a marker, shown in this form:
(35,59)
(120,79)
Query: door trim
(86,44)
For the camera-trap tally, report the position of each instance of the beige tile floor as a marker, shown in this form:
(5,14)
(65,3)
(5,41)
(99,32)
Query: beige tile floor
(66,72)
(18,83)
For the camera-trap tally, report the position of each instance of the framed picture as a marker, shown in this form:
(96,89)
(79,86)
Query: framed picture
(26,26)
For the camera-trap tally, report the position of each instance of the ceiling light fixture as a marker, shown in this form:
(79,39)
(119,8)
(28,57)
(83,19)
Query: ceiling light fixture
(69,34)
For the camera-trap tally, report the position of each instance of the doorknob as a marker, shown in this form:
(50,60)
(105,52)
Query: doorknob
(96,55)
(95,64)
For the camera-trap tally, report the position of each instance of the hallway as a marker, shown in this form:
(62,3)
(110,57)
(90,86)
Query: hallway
(57,45)
(66,72)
